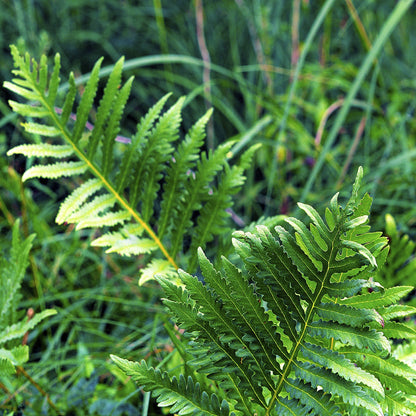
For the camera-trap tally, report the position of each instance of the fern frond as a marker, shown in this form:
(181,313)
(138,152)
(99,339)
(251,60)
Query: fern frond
(93,208)
(218,358)
(399,330)
(396,311)
(349,288)
(36,128)
(154,157)
(362,338)
(78,197)
(86,103)
(309,401)
(138,141)
(399,404)
(105,106)
(118,191)
(340,365)
(350,393)
(12,270)
(6,364)
(297,332)
(344,314)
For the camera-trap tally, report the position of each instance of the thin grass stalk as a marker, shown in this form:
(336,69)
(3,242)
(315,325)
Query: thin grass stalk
(206,75)
(308,43)
(393,20)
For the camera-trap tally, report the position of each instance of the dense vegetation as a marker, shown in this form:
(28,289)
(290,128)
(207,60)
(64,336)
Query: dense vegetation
(322,87)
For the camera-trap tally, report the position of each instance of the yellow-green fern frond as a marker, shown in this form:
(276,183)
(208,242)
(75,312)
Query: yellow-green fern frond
(146,201)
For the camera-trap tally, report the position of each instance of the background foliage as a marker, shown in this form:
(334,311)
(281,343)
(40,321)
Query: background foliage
(254,47)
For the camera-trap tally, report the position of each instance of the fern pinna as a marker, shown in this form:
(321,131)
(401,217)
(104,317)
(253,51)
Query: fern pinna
(158,194)
(302,329)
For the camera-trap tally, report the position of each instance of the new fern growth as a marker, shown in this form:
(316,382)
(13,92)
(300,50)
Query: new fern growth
(297,327)
(161,191)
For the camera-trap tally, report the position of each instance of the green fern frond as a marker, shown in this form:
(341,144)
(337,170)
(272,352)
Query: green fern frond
(6,364)
(348,315)
(118,192)
(398,404)
(396,311)
(340,365)
(12,270)
(303,329)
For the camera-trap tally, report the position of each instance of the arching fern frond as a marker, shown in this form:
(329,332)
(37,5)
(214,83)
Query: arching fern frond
(161,192)
(302,329)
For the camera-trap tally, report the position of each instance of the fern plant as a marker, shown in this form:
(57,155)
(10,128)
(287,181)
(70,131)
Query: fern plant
(160,193)
(301,329)
(12,330)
